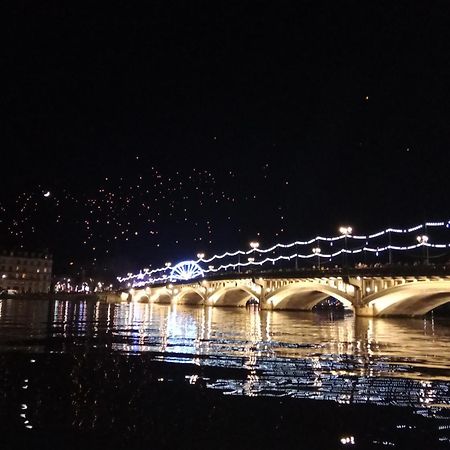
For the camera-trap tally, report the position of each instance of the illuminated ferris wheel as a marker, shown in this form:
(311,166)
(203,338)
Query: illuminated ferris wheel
(186,270)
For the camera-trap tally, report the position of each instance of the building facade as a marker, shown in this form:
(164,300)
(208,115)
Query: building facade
(25,271)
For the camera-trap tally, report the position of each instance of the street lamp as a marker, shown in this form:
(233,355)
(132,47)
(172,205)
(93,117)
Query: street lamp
(200,256)
(423,241)
(390,246)
(316,251)
(254,245)
(346,231)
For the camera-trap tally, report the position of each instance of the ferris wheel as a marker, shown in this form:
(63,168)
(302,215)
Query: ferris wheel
(186,270)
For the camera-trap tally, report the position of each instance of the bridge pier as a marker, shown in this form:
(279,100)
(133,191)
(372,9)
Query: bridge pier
(365,311)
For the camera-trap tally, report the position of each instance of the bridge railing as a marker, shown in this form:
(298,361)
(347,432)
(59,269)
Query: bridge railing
(395,270)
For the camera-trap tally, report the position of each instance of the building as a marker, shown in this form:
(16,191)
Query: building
(25,271)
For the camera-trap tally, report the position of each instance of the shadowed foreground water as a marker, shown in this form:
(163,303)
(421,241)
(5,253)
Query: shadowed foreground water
(95,375)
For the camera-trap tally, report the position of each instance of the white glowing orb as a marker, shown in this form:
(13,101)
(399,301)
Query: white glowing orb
(47,194)
(186,270)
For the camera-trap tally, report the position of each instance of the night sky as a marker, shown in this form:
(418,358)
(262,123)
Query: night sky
(161,129)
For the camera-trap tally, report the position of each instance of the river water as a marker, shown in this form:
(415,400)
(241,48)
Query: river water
(45,347)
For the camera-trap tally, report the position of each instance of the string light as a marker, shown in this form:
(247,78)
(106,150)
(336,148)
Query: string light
(164,276)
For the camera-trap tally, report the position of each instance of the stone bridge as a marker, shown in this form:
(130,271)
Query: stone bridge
(412,295)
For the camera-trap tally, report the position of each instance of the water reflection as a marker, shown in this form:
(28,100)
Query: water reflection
(306,355)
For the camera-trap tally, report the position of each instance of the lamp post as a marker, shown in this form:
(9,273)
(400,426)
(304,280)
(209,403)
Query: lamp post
(254,245)
(200,256)
(346,231)
(316,251)
(167,264)
(423,241)
(390,247)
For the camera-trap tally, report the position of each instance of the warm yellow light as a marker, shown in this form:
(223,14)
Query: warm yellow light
(346,230)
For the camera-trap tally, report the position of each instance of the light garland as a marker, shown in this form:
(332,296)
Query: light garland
(146,273)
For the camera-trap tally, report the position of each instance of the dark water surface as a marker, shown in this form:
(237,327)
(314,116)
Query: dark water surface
(96,375)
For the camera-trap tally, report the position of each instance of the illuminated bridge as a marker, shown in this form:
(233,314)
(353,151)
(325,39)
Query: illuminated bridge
(375,288)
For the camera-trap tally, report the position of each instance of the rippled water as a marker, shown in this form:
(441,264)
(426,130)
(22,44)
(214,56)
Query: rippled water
(320,356)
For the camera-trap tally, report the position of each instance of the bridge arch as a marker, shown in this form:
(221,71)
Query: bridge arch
(143,297)
(163,295)
(410,299)
(189,296)
(232,296)
(305,295)
(138,295)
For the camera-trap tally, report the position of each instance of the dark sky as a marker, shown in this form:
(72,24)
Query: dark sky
(281,120)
